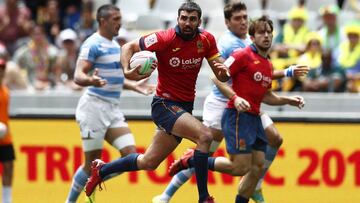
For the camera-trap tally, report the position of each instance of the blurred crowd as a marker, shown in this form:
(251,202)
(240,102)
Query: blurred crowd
(332,51)
(42,39)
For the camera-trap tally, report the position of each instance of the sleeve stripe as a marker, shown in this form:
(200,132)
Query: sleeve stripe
(214,57)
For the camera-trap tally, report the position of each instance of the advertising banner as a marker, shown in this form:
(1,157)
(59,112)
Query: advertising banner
(317,163)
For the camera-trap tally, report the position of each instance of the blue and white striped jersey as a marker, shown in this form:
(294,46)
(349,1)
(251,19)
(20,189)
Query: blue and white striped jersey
(105,56)
(226,45)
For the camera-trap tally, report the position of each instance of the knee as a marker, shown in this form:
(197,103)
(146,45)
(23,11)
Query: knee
(149,165)
(240,170)
(205,137)
(257,169)
(275,140)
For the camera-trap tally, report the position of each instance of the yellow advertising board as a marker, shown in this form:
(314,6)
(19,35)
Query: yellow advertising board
(318,163)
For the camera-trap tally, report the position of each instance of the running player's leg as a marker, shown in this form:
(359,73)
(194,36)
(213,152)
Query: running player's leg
(274,143)
(183,176)
(248,182)
(187,126)
(212,113)
(119,136)
(162,145)
(90,119)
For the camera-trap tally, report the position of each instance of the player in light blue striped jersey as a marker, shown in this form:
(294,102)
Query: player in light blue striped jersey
(98,112)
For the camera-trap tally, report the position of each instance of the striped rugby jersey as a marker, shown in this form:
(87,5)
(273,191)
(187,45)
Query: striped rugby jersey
(105,56)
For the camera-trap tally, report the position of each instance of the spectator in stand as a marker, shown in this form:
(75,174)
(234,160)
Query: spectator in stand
(312,55)
(37,58)
(66,59)
(330,32)
(50,19)
(72,16)
(87,24)
(14,79)
(348,56)
(14,24)
(290,43)
(328,77)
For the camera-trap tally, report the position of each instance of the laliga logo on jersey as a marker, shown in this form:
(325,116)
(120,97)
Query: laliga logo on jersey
(191,61)
(174,62)
(186,63)
(258,76)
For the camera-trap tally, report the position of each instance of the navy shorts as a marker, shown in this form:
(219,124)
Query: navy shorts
(243,132)
(165,112)
(7,153)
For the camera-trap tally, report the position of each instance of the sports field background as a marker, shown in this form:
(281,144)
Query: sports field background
(318,163)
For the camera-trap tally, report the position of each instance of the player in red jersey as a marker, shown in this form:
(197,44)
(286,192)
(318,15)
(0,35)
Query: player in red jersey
(251,73)
(180,52)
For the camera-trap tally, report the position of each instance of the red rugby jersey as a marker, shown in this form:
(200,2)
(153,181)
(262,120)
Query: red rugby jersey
(251,76)
(179,61)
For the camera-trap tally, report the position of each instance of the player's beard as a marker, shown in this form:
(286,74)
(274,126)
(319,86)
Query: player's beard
(263,48)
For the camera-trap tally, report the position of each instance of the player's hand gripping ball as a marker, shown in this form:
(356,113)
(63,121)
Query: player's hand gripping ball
(147,61)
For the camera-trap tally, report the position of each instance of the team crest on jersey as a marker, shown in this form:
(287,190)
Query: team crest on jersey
(150,40)
(200,46)
(176,109)
(174,62)
(256,62)
(258,76)
(242,144)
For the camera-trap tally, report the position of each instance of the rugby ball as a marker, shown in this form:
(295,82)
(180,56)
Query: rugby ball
(3,129)
(146,59)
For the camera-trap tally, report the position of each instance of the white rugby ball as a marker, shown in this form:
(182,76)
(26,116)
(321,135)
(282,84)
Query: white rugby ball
(146,59)
(3,129)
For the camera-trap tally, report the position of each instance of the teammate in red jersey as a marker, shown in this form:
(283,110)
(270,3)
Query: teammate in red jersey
(251,73)
(180,52)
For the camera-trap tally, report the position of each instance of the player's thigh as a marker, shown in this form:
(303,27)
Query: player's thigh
(93,122)
(189,127)
(161,146)
(118,133)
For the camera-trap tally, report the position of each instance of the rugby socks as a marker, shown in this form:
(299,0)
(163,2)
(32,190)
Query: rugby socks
(176,182)
(240,199)
(6,194)
(180,178)
(211,163)
(127,163)
(78,184)
(201,173)
(269,158)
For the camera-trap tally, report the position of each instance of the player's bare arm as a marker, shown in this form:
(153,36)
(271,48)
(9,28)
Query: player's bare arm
(127,51)
(82,78)
(295,71)
(142,86)
(272,98)
(219,69)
